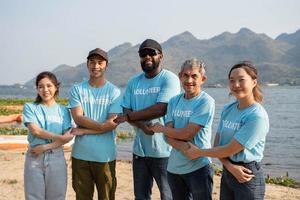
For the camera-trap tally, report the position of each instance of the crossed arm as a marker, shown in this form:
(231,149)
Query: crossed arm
(241,173)
(139,118)
(92,126)
(59,140)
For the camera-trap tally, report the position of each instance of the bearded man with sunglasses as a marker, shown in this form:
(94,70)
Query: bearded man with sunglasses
(145,102)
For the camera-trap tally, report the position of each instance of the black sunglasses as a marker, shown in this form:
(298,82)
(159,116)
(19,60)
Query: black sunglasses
(149,52)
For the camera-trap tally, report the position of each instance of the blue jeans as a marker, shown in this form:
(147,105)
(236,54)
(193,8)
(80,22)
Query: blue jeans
(196,185)
(45,176)
(144,170)
(253,189)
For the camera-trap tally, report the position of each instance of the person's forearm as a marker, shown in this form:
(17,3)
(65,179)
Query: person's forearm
(152,112)
(85,131)
(225,162)
(87,123)
(53,145)
(177,133)
(41,133)
(216,152)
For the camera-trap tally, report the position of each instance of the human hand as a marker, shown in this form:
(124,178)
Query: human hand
(67,136)
(111,122)
(77,131)
(146,128)
(178,144)
(157,127)
(37,150)
(241,173)
(121,118)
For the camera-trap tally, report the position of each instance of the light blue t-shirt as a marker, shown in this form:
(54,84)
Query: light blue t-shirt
(142,93)
(97,104)
(55,119)
(197,110)
(248,126)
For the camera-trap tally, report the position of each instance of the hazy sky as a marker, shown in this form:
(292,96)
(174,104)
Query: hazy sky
(39,35)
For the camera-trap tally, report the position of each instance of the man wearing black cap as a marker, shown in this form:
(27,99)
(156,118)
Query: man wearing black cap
(145,102)
(95,104)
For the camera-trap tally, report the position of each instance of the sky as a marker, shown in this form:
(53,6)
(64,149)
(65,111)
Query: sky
(39,35)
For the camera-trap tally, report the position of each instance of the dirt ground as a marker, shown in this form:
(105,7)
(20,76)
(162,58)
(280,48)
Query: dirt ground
(11,180)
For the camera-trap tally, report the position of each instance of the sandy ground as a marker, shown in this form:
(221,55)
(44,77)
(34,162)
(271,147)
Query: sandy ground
(11,180)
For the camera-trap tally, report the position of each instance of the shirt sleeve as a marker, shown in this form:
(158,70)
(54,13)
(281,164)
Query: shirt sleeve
(116,102)
(169,88)
(74,99)
(66,119)
(126,103)
(220,122)
(169,117)
(252,132)
(29,115)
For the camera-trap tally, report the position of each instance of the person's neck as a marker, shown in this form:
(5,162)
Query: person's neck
(246,102)
(49,102)
(97,82)
(191,95)
(153,73)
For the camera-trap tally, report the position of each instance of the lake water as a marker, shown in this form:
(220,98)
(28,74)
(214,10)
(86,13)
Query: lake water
(282,152)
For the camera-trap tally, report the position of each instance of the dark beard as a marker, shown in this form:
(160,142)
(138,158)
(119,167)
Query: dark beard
(149,69)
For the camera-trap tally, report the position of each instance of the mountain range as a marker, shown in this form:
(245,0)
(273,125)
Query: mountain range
(277,60)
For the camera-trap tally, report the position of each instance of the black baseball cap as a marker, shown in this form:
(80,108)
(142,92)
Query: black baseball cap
(99,52)
(150,44)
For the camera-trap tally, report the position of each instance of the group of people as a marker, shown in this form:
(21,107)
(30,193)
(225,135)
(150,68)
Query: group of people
(173,132)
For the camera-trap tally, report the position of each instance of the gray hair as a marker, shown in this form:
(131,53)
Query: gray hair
(194,62)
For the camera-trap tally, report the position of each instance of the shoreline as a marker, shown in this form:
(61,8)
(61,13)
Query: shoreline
(124,153)
(11,182)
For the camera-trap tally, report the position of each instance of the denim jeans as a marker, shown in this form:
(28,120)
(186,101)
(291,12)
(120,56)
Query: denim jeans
(196,185)
(45,176)
(253,189)
(144,170)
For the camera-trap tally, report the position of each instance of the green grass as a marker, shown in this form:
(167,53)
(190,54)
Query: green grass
(283,180)
(5,111)
(15,102)
(13,131)
(9,181)
(123,135)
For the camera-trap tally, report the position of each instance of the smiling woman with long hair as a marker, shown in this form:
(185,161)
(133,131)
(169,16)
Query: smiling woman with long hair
(45,172)
(240,138)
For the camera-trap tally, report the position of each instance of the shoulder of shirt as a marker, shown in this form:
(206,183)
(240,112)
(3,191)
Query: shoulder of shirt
(114,90)
(207,97)
(168,74)
(81,84)
(111,85)
(176,97)
(258,110)
(30,104)
(230,105)
(136,77)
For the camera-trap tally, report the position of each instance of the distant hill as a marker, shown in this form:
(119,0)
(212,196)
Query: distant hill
(277,60)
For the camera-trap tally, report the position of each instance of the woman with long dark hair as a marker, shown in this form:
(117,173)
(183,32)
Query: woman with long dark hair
(45,172)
